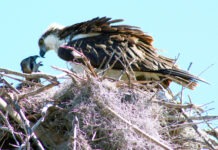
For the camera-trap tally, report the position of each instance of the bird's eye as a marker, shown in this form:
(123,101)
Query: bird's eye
(41,41)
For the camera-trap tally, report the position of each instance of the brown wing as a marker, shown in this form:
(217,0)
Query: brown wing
(105,25)
(121,50)
(123,47)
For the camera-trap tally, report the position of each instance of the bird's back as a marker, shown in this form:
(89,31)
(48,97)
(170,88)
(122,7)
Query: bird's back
(120,47)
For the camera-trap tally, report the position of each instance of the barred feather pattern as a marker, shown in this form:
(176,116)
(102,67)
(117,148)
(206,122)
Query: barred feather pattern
(125,47)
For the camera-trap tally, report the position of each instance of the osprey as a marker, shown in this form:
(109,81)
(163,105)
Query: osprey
(121,47)
(29,65)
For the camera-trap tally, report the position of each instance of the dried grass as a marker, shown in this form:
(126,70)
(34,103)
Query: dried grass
(95,113)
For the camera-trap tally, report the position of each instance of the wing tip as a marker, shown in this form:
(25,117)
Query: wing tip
(192,85)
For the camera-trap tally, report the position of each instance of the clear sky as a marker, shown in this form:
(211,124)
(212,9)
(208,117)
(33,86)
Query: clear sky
(186,27)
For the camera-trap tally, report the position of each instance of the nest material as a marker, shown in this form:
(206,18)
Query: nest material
(91,113)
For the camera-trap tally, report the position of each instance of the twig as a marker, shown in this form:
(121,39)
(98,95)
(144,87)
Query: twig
(90,67)
(4,106)
(102,63)
(195,127)
(37,124)
(207,104)
(68,72)
(205,70)
(43,113)
(75,132)
(110,67)
(10,86)
(212,129)
(206,118)
(25,121)
(84,58)
(183,125)
(207,110)
(93,137)
(33,75)
(107,63)
(10,129)
(184,106)
(184,87)
(32,93)
(23,81)
(26,124)
(71,74)
(189,67)
(176,59)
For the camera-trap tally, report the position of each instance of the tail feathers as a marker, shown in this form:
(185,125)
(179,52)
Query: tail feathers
(181,77)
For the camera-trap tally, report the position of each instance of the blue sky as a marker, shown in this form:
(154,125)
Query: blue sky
(186,27)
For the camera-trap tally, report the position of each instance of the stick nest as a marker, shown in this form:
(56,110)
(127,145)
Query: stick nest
(85,112)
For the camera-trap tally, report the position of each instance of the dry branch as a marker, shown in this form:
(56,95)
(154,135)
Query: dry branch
(180,106)
(195,127)
(76,122)
(205,118)
(25,124)
(33,75)
(9,85)
(10,129)
(7,108)
(32,93)
(20,80)
(68,72)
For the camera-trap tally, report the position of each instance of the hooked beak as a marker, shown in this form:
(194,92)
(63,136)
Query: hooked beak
(36,56)
(42,51)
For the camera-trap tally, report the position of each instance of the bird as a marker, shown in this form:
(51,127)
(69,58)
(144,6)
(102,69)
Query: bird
(107,44)
(29,65)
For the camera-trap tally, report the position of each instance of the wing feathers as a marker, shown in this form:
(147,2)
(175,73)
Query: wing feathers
(125,46)
(103,25)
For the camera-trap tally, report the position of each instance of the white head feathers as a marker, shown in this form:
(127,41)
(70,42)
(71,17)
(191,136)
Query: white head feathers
(54,26)
(50,37)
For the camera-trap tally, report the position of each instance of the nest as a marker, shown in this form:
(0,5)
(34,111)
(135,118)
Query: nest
(86,112)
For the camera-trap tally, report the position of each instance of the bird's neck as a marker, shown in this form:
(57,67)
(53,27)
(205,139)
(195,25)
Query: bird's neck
(53,42)
(58,43)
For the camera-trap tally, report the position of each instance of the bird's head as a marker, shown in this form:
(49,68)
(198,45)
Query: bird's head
(29,65)
(34,57)
(50,39)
